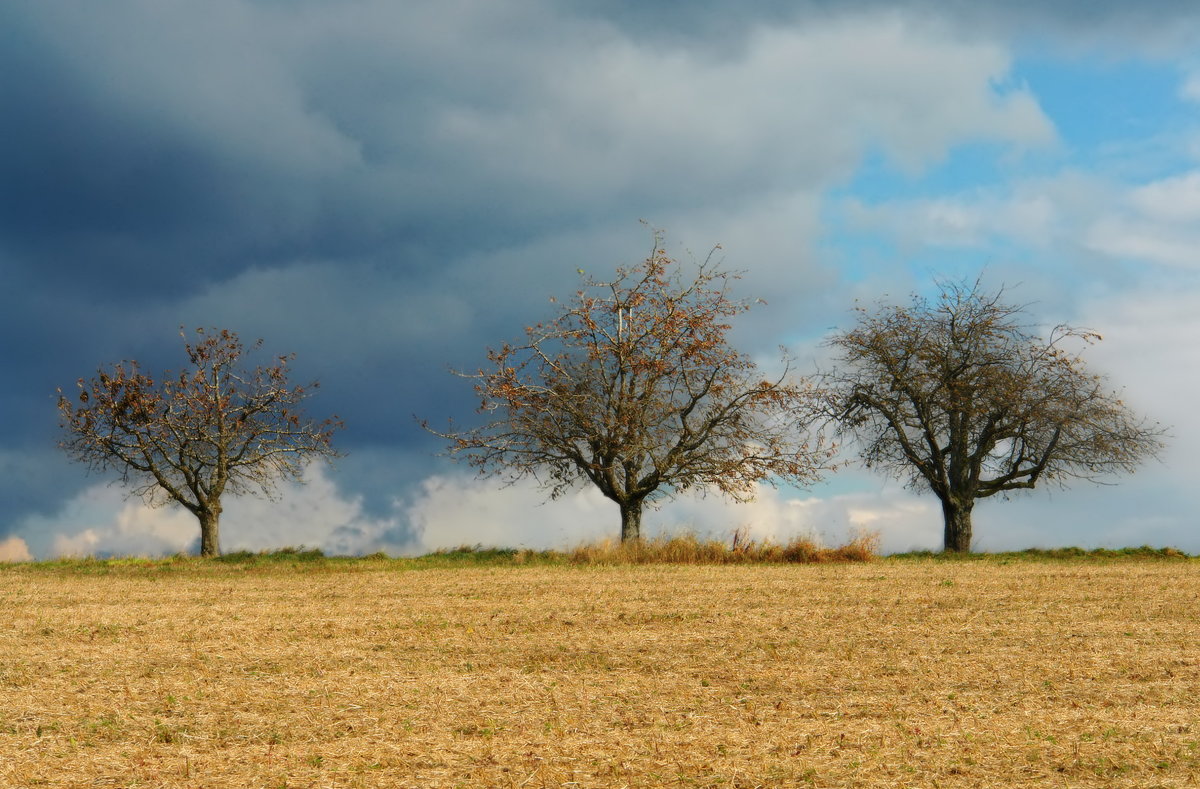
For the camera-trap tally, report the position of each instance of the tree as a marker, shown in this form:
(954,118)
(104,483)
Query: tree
(189,438)
(960,397)
(635,389)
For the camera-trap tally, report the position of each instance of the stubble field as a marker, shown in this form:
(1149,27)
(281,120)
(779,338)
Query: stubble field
(884,674)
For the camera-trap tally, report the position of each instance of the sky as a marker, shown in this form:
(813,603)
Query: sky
(386,189)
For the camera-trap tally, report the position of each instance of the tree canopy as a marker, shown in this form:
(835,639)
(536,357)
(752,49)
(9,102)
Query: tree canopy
(214,427)
(634,388)
(959,396)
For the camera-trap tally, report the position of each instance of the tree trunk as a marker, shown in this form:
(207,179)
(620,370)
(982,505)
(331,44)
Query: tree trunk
(631,521)
(210,531)
(958,525)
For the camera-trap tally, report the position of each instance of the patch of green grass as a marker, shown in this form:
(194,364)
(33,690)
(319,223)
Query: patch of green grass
(686,549)
(479,556)
(299,555)
(1144,552)
(104,566)
(307,559)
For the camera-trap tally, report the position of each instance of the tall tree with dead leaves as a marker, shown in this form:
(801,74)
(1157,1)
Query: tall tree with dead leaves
(634,388)
(215,427)
(960,397)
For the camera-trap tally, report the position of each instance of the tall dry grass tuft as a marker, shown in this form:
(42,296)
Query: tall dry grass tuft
(740,549)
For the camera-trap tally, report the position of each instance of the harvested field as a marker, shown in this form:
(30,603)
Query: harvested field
(885,674)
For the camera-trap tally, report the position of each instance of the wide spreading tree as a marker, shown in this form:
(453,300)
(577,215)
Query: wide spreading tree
(961,397)
(214,427)
(634,388)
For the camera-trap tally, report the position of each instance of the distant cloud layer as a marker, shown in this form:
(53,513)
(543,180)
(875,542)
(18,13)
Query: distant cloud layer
(14,549)
(387,188)
(455,509)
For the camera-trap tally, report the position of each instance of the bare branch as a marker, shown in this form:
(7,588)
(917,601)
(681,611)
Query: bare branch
(960,397)
(192,436)
(635,389)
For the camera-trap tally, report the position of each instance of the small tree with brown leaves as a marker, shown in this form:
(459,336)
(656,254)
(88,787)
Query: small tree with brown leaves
(960,397)
(635,389)
(213,428)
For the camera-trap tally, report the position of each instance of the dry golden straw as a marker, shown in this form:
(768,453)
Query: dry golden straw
(883,674)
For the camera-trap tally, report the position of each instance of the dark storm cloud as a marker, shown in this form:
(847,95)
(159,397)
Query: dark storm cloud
(383,188)
(1155,26)
(721,25)
(150,147)
(386,188)
(180,164)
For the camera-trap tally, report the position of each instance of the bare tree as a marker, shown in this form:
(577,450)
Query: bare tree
(189,438)
(635,389)
(960,397)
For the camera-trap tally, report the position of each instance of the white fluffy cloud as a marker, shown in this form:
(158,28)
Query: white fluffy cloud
(453,509)
(1071,213)
(457,509)
(974,220)
(101,521)
(1158,222)
(1190,89)
(14,549)
(1151,348)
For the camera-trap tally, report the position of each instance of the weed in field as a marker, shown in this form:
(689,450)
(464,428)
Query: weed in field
(166,734)
(741,549)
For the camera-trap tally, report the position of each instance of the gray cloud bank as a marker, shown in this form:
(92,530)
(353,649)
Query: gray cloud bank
(386,188)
